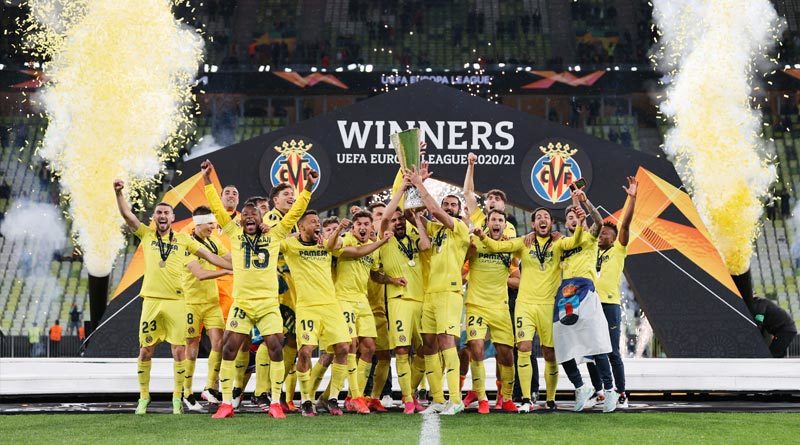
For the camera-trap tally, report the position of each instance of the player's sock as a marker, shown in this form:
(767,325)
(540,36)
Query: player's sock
(363,376)
(551,379)
(143,370)
(305,385)
(524,373)
(276,377)
(433,371)
(478,378)
(289,357)
(338,374)
(179,372)
(507,381)
(352,377)
(317,372)
(451,367)
(188,379)
(226,374)
(290,369)
(240,366)
(380,377)
(417,371)
(214,362)
(404,377)
(263,370)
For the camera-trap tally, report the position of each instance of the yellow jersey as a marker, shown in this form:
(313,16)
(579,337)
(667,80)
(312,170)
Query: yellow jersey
(311,270)
(579,261)
(488,277)
(202,291)
(164,278)
(376,293)
(352,274)
(540,265)
(611,262)
(448,252)
(401,258)
(478,219)
(254,258)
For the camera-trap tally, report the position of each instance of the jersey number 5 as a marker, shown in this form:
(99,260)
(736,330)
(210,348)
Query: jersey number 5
(251,257)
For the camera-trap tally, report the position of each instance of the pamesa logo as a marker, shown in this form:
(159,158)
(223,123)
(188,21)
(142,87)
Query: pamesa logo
(293,164)
(552,173)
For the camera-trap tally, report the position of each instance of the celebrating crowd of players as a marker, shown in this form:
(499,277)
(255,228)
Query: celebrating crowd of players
(391,280)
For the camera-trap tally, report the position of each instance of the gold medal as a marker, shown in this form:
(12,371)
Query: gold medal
(438,249)
(541,266)
(412,263)
(162,264)
(261,256)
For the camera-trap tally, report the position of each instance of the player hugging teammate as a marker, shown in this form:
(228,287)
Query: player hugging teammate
(391,280)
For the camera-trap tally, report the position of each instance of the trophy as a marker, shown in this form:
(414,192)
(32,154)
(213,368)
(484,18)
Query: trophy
(406,145)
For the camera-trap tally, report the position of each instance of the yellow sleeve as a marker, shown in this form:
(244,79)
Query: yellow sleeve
(571,242)
(398,182)
(296,212)
(376,260)
(192,245)
(215,203)
(503,246)
(478,218)
(460,229)
(347,241)
(142,231)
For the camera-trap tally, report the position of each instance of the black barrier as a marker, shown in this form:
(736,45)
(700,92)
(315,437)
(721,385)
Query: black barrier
(688,296)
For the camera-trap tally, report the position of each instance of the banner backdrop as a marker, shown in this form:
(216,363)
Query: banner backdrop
(677,275)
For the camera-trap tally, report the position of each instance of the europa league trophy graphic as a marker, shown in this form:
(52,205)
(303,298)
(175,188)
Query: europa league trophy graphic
(406,145)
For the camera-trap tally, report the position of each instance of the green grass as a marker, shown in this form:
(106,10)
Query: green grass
(636,428)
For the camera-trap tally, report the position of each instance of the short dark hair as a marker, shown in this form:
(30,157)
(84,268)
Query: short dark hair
(330,220)
(539,209)
(277,189)
(165,204)
(362,214)
(454,197)
(611,226)
(373,205)
(497,192)
(307,213)
(569,209)
(201,210)
(251,204)
(499,212)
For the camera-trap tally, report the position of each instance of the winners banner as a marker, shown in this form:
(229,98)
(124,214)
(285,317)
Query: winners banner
(675,272)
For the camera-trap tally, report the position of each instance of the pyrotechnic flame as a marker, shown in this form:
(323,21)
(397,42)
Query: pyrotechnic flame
(711,50)
(119,103)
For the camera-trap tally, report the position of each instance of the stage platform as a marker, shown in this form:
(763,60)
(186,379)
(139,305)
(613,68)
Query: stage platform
(26,377)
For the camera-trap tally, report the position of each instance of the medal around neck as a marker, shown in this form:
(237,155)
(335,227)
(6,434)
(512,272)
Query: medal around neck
(406,146)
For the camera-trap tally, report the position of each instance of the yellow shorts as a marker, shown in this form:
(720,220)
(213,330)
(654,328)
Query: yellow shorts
(321,324)
(496,320)
(406,322)
(359,318)
(532,318)
(265,314)
(203,315)
(441,313)
(162,320)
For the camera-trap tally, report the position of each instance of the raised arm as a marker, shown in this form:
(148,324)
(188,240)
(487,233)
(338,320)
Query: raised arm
(416,179)
(214,259)
(469,184)
(335,240)
(202,274)
(424,240)
(494,246)
(394,203)
(578,198)
(124,209)
(366,249)
(571,242)
(627,217)
(212,196)
(301,204)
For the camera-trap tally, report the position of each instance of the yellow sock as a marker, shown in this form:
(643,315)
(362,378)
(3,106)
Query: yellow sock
(317,372)
(451,367)
(242,358)
(143,373)
(179,372)
(551,379)
(214,361)
(338,374)
(380,377)
(417,371)
(478,378)
(276,376)
(305,385)
(188,377)
(507,381)
(524,373)
(290,370)
(363,375)
(352,377)
(404,377)
(289,357)
(433,371)
(227,370)
(263,370)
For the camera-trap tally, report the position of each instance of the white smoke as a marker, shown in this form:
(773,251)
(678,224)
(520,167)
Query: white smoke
(206,145)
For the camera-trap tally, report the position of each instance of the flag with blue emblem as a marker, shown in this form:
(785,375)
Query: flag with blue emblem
(579,325)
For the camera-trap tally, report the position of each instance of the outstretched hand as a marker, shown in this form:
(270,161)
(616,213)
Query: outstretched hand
(206,167)
(119,184)
(312,177)
(633,185)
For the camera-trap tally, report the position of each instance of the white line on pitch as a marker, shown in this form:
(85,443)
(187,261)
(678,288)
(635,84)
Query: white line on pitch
(429,433)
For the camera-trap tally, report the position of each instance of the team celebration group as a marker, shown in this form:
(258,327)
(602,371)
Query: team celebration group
(391,279)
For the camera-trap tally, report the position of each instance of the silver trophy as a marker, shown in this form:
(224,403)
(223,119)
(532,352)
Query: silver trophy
(406,145)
